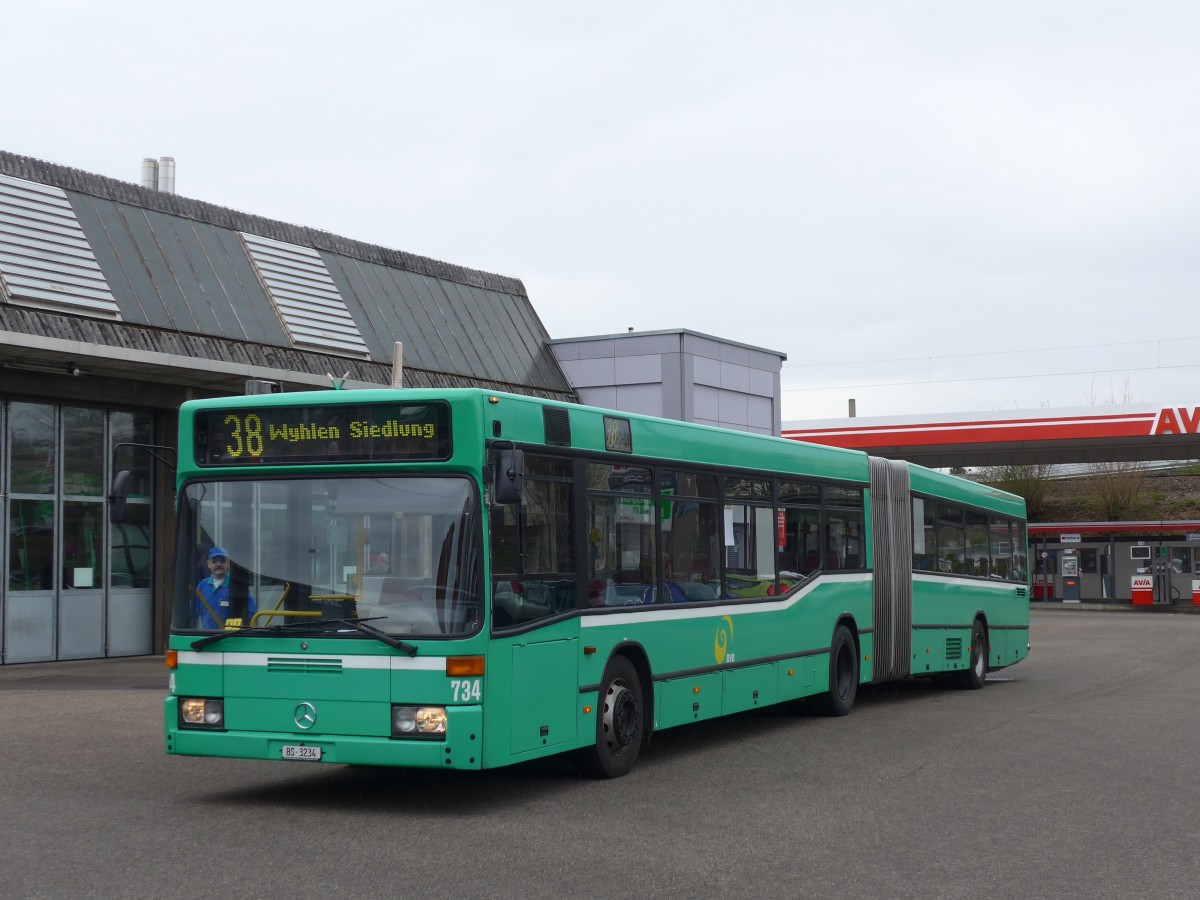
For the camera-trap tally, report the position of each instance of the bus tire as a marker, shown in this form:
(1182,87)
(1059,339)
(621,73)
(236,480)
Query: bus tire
(620,723)
(843,674)
(976,674)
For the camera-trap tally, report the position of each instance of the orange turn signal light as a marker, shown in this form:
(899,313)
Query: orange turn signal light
(172,659)
(464,665)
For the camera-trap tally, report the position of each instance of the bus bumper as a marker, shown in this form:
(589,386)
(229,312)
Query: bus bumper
(462,749)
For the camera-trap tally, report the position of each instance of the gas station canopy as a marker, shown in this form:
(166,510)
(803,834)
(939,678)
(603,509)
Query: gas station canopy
(1017,437)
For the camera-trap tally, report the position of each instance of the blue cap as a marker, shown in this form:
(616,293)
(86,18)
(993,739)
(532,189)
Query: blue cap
(217,551)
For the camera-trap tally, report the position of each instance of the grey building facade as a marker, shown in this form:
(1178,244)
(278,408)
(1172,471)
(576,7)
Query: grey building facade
(677,374)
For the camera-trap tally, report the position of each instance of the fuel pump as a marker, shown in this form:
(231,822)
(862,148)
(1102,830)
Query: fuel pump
(1069,562)
(1163,576)
(1142,583)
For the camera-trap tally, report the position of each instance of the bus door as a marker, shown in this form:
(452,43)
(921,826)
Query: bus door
(534,587)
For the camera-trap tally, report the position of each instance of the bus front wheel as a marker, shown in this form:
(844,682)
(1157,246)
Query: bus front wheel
(620,723)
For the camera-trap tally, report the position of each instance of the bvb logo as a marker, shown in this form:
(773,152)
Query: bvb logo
(723,639)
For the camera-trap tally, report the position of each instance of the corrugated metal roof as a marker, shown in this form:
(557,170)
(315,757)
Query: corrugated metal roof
(305,296)
(45,258)
(175,264)
(177,273)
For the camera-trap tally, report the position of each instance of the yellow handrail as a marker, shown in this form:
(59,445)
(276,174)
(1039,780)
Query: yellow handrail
(279,603)
(296,613)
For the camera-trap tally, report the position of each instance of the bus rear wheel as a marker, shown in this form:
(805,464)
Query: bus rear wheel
(620,723)
(975,675)
(843,674)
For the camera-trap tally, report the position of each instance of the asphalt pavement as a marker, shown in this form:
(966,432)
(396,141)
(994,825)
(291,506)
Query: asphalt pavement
(1071,774)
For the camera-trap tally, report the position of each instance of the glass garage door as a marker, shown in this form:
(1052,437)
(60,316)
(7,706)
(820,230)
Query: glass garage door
(74,587)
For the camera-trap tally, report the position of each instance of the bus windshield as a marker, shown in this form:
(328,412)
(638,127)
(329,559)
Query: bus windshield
(402,551)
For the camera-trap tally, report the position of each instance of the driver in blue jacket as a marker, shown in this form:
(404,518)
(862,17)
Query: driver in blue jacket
(213,604)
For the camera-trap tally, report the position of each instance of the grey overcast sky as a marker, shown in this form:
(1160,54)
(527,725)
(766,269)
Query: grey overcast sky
(927,206)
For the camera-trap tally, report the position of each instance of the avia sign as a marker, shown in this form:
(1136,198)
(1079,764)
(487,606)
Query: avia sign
(1179,420)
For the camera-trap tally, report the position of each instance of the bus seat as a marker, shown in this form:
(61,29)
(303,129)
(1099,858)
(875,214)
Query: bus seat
(628,595)
(384,590)
(675,592)
(690,591)
(390,591)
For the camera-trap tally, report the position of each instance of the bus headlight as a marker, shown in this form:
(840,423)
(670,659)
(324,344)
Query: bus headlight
(198,712)
(422,722)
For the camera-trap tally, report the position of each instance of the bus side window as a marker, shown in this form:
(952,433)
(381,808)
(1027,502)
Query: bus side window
(533,560)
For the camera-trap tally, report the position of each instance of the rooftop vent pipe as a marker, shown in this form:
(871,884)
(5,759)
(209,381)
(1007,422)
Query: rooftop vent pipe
(150,173)
(159,174)
(166,174)
(397,364)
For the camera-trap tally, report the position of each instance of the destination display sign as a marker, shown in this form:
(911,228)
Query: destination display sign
(341,433)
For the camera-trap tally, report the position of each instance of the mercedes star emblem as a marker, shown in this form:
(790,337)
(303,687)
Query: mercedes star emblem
(305,716)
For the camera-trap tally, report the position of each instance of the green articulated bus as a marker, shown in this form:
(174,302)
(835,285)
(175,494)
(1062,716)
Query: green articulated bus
(458,579)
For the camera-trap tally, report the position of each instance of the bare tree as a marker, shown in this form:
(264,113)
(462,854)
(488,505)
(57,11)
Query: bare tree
(1030,482)
(1116,487)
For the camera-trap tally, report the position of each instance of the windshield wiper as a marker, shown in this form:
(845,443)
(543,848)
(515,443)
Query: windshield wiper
(355,623)
(361,625)
(203,642)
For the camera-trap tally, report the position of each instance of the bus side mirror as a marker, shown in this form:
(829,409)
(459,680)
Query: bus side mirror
(116,500)
(510,476)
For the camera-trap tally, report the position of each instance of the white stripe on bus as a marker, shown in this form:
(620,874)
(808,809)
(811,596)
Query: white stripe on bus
(966,581)
(663,611)
(260,660)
